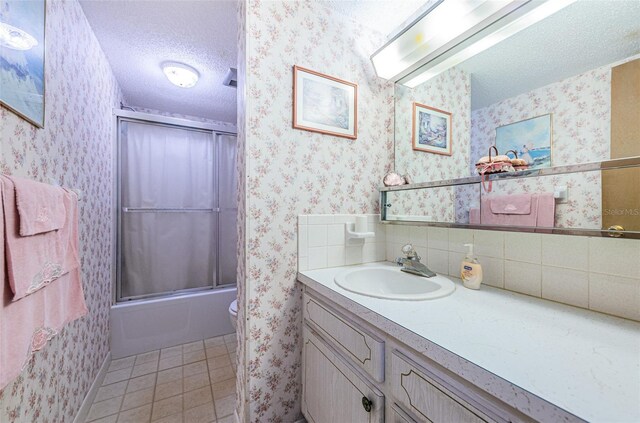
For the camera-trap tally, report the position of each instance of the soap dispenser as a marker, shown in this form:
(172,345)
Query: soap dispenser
(470,270)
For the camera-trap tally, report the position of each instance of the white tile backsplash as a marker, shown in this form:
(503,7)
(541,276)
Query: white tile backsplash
(571,252)
(525,278)
(322,242)
(619,257)
(602,274)
(567,286)
(523,247)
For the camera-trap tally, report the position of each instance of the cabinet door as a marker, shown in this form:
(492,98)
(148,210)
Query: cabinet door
(332,390)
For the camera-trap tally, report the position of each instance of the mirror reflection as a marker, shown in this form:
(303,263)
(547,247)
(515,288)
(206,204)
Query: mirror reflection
(562,92)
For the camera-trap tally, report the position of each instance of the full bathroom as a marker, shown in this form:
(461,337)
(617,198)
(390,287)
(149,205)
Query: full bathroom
(324,211)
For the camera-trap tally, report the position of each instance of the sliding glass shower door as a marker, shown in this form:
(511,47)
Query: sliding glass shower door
(174,207)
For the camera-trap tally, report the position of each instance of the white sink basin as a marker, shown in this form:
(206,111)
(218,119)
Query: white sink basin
(391,283)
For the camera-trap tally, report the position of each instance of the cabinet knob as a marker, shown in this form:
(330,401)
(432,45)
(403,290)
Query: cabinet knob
(366,403)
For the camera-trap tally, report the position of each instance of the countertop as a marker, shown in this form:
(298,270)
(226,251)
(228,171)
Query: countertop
(584,362)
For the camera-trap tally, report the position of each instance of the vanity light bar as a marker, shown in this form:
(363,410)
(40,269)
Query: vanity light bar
(497,34)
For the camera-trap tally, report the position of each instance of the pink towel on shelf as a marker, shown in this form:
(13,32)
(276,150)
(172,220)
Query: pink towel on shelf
(40,206)
(28,324)
(534,210)
(35,261)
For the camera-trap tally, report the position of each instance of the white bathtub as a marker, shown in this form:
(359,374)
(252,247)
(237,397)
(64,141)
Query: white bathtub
(148,325)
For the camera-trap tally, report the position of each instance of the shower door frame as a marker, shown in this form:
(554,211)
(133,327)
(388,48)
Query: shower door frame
(171,122)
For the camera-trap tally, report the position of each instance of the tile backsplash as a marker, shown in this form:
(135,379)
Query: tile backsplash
(322,242)
(600,274)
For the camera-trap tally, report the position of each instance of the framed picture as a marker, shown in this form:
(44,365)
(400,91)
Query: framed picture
(530,138)
(22,47)
(324,104)
(431,130)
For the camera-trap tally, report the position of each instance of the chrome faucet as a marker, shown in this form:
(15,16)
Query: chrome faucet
(411,263)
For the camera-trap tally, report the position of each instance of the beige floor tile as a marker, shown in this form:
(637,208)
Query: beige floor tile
(193,356)
(175,418)
(217,362)
(170,352)
(166,407)
(137,399)
(212,342)
(224,388)
(202,414)
(222,373)
(232,348)
(167,390)
(228,419)
(196,381)
(138,383)
(169,362)
(145,369)
(147,357)
(136,415)
(230,338)
(198,397)
(109,419)
(169,375)
(195,368)
(121,363)
(111,391)
(193,346)
(217,351)
(116,376)
(225,406)
(104,408)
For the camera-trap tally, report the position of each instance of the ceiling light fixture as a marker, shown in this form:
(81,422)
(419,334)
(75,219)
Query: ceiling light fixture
(454,30)
(179,74)
(15,38)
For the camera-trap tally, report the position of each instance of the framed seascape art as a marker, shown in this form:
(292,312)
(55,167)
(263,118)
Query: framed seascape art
(431,130)
(22,51)
(530,138)
(322,103)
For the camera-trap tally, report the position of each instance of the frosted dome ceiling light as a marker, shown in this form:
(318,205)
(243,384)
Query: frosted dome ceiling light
(15,38)
(180,74)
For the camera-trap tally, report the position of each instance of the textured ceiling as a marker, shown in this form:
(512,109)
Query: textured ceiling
(137,36)
(383,16)
(584,36)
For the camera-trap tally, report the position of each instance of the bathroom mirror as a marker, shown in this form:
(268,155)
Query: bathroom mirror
(577,72)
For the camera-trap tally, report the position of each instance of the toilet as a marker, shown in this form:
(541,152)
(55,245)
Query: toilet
(233,313)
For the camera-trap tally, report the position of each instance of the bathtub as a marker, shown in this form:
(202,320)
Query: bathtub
(147,325)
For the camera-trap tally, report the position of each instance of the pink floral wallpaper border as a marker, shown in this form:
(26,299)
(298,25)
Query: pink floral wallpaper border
(73,149)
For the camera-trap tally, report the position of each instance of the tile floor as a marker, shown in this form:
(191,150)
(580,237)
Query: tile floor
(189,383)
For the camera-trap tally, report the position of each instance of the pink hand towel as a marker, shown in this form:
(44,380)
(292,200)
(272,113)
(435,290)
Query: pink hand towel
(509,210)
(546,210)
(35,261)
(27,325)
(40,206)
(511,204)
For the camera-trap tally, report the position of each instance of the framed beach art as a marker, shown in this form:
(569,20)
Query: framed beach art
(22,53)
(530,138)
(431,130)
(325,104)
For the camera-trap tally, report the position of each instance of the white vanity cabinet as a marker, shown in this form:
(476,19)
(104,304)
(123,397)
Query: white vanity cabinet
(333,391)
(346,378)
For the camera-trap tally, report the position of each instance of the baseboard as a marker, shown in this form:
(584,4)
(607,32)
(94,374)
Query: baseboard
(93,391)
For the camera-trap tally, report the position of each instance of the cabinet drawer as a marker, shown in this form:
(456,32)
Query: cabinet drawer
(414,388)
(400,416)
(332,390)
(347,337)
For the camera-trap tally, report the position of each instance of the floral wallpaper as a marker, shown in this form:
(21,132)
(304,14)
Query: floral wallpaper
(581,107)
(226,125)
(291,172)
(74,149)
